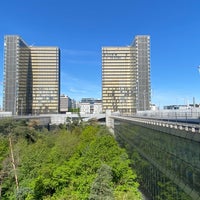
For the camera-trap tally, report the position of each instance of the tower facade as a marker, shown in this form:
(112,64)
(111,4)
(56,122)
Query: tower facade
(126,77)
(31,78)
(45,79)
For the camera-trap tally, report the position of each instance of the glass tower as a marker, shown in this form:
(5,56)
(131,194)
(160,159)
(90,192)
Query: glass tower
(126,77)
(45,79)
(31,78)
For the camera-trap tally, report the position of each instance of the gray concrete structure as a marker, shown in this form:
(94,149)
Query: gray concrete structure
(166,152)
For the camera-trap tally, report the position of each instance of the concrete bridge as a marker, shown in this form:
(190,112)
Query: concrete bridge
(54,119)
(165,154)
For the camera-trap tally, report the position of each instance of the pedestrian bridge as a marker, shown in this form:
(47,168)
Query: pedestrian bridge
(165,154)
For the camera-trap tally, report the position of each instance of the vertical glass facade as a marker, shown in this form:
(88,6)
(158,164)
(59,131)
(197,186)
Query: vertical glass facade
(45,79)
(142,46)
(15,73)
(126,77)
(31,78)
(118,79)
(167,165)
(24,81)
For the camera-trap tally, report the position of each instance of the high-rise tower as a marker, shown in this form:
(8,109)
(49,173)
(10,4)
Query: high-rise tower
(126,77)
(31,77)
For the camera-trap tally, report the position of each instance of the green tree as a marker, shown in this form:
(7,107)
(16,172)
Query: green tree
(39,189)
(4,152)
(63,164)
(101,188)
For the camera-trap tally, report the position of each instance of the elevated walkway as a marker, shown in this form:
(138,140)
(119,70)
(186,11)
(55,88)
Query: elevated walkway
(166,153)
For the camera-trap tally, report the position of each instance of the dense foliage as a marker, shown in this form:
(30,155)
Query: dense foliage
(81,161)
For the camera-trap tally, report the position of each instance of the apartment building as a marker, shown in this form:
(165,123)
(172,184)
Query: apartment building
(65,103)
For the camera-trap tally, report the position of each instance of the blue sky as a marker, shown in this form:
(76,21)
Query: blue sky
(80,28)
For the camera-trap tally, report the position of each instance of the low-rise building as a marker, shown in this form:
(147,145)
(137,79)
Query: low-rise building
(65,103)
(90,106)
(85,108)
(97,108)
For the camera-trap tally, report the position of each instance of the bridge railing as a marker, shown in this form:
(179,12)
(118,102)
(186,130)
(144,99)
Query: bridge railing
(193,113)
(188,124)
(168,164)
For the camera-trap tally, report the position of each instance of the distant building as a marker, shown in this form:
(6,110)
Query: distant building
(88,100)
(126,76)
(74,104)
(97,108)
(85,108)
(153,107)
(65,104)
(90,106)
(31,78)
(194,105)
(175,107)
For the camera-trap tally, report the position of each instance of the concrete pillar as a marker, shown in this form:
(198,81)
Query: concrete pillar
(109,121)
